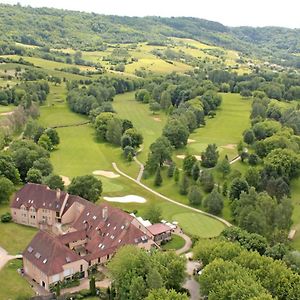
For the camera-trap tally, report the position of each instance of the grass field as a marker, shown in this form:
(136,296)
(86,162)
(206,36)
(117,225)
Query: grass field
(150,125)
(13,286)
(225,129)
(14,238)
(176,243)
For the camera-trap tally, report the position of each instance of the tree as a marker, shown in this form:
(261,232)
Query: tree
(153,214)
(196,171)
(87,187)
(184,185)
(253,177)
(93,286)
(129,153)
(164,294)
(34,176)
(154,106)
(206,180)
(126,141)
(194,195)
(160,151)
(283,162)
(114,131)
(176,175)
(136,137)
(225,188)
(6,218)
(224,167)
(171,170)
(176,132)
(6,189)
(165,100)
(8,169)
(154,279)
(43,165)
(209,158)
(57,292)
(158,179)
(238,185)
(45,142)
(249,137)
(214,202)
(188,162)
(101,124)
(54,182)
(135,272)
(53,136)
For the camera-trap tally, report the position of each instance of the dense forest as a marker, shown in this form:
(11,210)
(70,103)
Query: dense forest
(84,31)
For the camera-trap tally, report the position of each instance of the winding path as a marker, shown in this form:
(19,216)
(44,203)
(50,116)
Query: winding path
(5,257)
(226,223)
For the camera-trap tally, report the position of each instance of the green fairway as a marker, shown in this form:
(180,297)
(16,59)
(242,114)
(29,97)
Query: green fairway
(13,285)
(150,125)
(6,108)
(225,130)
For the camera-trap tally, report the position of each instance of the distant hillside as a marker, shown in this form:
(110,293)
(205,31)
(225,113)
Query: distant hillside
(85,31)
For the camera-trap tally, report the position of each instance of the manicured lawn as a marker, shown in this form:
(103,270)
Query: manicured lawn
(6,108)
(148,124)
(13,285)
(14,238)
(176,243)
(226,128)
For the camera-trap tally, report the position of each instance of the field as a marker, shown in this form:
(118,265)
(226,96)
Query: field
(13,286)
(225,130)
(150,125)
(14,238)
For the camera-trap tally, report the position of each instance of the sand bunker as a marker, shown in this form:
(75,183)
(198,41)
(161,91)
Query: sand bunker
(229,146)
(126,199)
(180,156)
(191,141)
(107,174)
(157,119)
(65,179)
(198,157)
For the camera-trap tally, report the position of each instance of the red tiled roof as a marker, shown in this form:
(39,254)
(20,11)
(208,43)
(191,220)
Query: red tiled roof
(104,234)
(158,228)
(72,236)
(38,196)
(48,254)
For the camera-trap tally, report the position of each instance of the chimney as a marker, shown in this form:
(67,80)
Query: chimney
(58,193)
(105,213)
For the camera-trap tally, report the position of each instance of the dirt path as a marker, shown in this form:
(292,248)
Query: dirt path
(226,223)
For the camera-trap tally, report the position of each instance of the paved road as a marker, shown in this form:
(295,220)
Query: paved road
(188,243)
(169,199)
(191,284)
(141,172)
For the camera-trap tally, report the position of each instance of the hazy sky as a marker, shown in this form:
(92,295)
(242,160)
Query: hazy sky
(229,12)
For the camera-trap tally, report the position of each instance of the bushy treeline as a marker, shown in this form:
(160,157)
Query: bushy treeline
(231,271)
(93,97)
(25,93)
